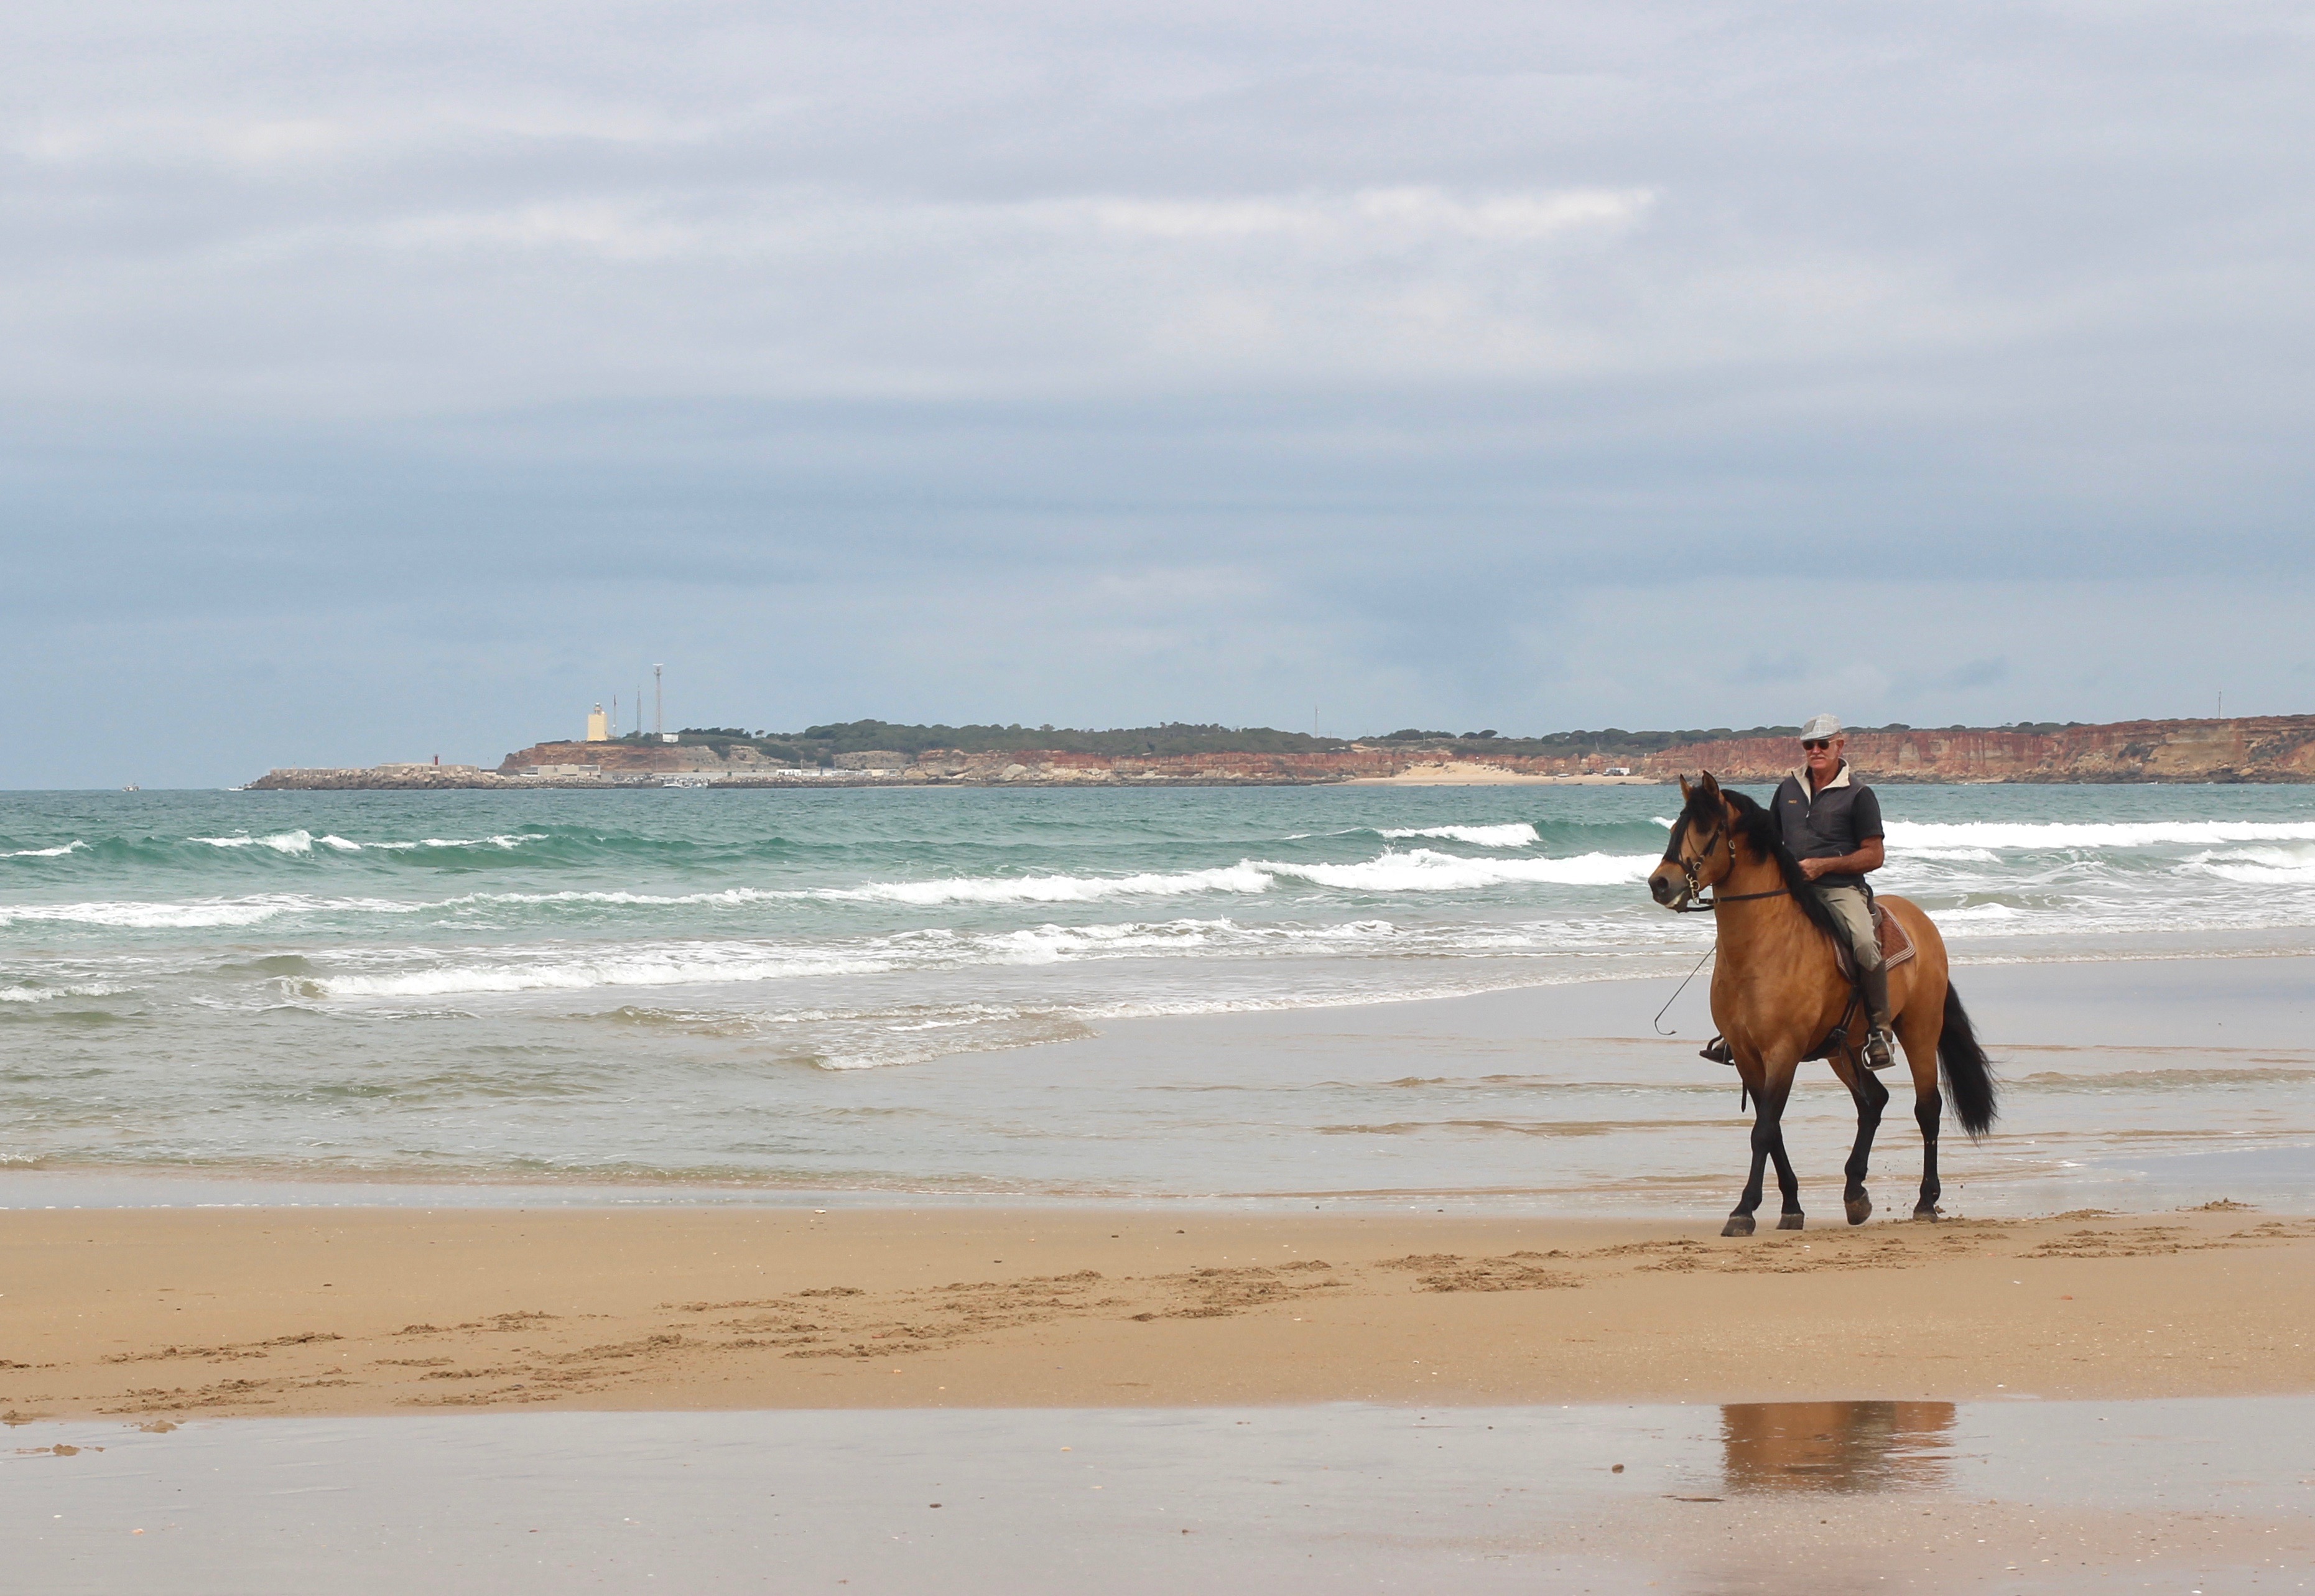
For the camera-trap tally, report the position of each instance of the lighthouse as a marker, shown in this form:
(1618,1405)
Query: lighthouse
(598,726)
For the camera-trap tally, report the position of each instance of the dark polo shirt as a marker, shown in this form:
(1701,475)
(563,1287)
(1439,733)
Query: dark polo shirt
(1840,818)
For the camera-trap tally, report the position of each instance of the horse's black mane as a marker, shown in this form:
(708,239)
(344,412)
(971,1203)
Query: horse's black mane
(1758,828)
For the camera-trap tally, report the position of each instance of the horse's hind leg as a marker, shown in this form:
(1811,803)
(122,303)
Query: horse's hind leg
(1871,1097)
(1928,1109)
(1920,1036)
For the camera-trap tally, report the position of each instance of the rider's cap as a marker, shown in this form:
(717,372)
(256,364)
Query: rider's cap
(1823,725)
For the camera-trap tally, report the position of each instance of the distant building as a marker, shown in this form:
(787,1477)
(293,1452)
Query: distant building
(598,726)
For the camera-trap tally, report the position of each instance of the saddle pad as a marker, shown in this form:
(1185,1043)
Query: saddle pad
(1896,942)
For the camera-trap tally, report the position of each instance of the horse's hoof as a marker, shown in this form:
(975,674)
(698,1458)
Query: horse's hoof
(1791,1221)
(1928,1210)
(1859,1206)
(1737,1225)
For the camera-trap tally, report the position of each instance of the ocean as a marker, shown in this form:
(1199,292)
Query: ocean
(910,993)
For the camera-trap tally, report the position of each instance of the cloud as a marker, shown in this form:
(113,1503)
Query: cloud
(1462,367)
(1976,673)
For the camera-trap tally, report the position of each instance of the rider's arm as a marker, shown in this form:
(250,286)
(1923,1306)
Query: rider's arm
(1869,856)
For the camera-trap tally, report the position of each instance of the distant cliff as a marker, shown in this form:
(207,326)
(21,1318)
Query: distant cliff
(742,764)
(2266,749)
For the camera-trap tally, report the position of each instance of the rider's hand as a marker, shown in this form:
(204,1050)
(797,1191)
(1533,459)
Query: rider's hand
(1813,868)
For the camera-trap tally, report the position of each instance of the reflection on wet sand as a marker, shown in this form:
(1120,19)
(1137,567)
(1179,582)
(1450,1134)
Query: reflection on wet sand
(1835,1446)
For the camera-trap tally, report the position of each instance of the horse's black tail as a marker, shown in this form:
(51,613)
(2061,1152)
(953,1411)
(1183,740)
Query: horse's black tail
(1969,1075)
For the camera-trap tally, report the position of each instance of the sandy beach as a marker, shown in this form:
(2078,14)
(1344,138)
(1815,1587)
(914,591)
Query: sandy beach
(1466,772)
(174,1314)
(1322,1253)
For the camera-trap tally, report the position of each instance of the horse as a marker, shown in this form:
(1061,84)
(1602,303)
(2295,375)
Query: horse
(1779,997)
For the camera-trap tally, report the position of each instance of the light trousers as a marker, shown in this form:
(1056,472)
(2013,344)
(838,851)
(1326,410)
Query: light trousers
(1854,912)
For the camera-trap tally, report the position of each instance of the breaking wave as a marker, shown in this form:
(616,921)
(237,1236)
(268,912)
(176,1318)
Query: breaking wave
(302,841)
(2001,834)
(2258,867)
(47,852)
(1244,877)
(22,994)
(196,915)
(1518,834)
(1423,869)
(693,965)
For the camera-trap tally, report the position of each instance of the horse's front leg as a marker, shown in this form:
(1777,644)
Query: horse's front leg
(1871,1097)
(1769,1142)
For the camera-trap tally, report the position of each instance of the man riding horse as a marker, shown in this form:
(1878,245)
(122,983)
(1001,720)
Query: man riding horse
(1831,823)
(1781,909)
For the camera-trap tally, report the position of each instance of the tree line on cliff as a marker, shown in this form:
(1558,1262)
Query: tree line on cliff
(820,745)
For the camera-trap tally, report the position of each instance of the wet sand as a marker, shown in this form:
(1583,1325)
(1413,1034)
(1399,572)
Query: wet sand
(1832,1496)
(1341,1391)
(171,1314)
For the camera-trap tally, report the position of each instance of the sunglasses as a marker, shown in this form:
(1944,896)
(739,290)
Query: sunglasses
(1814,743)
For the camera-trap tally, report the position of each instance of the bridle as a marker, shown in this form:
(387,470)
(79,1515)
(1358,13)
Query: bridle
(1695,902)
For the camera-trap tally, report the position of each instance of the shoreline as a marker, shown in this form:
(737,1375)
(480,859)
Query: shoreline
(170,1314)
(1438,1100)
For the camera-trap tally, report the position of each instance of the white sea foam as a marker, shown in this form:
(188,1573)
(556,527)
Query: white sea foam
(504,840)
(1242,877)
(1977,913)
(1423,870)
(1417,870)
(1054,945)
(723,895)
(200,914)
(47,852)
(1518,834)
(558,968)
(45,994)
(2003,834)
(1969,839)
(692,965)
(2258,867)
(302,841)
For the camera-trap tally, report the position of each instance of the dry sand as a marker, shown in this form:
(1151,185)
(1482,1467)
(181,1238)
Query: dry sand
(177,1313)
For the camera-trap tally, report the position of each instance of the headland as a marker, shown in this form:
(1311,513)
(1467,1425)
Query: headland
(2269,748)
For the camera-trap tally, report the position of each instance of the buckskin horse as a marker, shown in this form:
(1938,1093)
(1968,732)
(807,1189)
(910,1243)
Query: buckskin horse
(1779,995)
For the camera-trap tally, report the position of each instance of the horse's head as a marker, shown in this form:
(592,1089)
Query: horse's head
(1700,852)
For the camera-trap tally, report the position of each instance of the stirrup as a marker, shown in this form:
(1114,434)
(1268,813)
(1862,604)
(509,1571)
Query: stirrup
(1879,1054)
(1718,1051)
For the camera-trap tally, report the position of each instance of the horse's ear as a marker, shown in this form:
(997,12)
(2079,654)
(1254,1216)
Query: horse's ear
(1709,785)
(1684,789)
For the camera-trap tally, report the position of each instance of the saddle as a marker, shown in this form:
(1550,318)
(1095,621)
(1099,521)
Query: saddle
(1896,945)
(1889,931)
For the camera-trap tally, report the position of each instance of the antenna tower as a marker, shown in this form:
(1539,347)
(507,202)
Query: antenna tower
(659,702)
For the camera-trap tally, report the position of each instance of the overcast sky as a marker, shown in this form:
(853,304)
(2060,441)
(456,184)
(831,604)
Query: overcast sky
(386,381)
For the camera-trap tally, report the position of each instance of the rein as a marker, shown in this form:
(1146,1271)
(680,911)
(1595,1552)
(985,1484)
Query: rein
(1695,902)
(1705,906)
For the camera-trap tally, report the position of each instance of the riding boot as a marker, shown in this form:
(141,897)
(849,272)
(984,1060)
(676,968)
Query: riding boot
(1874,984)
